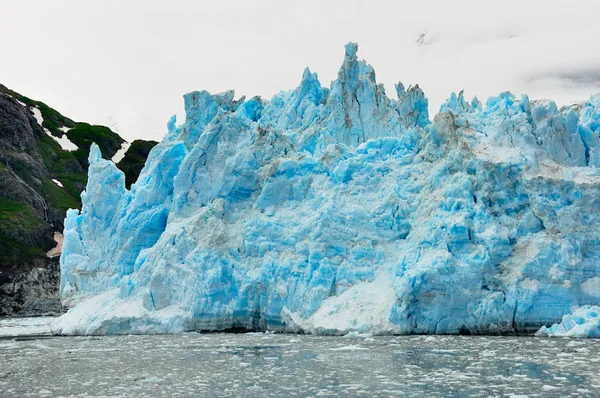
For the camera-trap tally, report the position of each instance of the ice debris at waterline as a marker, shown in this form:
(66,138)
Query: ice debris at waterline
(583,322)
(331,210)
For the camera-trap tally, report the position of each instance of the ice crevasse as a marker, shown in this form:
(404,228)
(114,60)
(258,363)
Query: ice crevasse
(330,210)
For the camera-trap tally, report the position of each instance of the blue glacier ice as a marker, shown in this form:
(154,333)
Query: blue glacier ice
(337,210)
(583,322)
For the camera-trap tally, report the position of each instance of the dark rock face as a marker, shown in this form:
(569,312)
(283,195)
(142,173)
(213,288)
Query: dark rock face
(135,159)
(28,278)
(33,206)
(31,289)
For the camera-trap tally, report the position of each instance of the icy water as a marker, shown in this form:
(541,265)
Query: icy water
(258,365)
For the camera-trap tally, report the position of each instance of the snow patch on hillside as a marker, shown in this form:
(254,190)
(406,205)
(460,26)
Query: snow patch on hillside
(63,141)
(37,114)
(121,152)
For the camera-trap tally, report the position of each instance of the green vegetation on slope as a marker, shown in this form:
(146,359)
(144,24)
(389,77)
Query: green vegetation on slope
(55,158)
(58,197)
(53,120)
(67,167)
(16,219)
(83,135)
(13,251)
(64,167)
(16,215)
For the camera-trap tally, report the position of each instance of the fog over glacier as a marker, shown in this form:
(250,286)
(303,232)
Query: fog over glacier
(126,64)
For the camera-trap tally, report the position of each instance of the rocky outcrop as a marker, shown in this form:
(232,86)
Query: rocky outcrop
(31,289)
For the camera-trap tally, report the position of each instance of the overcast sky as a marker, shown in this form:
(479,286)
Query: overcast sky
(128,62)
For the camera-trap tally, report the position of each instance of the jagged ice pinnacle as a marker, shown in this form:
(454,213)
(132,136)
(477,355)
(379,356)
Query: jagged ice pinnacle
(338,209)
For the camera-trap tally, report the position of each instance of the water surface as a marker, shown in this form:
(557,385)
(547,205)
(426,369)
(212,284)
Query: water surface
(257,365)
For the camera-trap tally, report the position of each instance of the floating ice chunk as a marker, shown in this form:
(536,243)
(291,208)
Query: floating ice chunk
(349,348)
(26,326)
(110,314)
(583,322)
(356,335)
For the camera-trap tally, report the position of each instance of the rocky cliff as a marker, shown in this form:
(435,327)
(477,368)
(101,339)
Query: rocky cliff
(43,169)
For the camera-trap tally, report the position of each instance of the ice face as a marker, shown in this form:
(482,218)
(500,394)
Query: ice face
(331,210)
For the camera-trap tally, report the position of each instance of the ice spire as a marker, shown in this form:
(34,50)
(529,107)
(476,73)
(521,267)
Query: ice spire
(358,107)
(95,153)
(412,106)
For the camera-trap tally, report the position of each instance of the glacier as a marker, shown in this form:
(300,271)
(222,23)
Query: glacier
(340,210)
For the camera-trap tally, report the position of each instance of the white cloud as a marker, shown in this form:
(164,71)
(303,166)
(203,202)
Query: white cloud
(130,62)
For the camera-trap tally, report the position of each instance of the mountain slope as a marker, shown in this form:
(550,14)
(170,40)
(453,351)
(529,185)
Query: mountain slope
(43,169)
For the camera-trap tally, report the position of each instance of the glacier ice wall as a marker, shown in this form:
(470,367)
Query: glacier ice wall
(339,209)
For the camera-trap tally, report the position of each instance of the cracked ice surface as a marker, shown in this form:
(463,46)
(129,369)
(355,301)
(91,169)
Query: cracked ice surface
(338,209)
